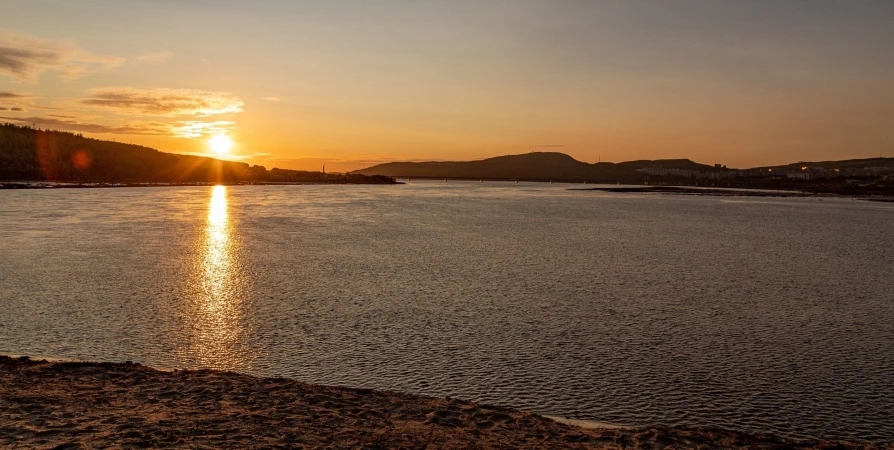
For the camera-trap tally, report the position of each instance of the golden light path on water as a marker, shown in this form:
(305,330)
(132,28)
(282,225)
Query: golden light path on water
(216,316)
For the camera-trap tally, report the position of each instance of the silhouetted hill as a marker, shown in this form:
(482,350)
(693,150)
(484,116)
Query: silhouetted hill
(528,166)
(29,154)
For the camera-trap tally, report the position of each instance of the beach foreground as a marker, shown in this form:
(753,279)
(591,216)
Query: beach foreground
(72,405)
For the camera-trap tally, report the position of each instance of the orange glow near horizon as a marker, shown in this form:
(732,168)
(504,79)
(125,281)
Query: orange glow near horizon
(744,84)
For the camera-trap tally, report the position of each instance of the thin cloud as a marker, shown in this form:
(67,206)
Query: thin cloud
(13,101)
(180,129)
(165,102)
(155,57)
(272,99)
(196,129)
(228,157)
(25,57)
(57,106)
(134,128)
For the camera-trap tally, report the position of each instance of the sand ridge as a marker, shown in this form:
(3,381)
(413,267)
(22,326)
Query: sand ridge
(83,405)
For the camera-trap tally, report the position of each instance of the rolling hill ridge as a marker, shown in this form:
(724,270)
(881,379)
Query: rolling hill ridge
(529,166)
(29,154)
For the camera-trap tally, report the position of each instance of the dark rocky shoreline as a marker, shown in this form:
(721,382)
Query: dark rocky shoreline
(714,192)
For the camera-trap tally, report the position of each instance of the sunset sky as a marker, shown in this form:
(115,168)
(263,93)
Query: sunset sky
(354,83)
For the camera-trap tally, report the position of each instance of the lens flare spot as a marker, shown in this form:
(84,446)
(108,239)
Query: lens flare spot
(80,160)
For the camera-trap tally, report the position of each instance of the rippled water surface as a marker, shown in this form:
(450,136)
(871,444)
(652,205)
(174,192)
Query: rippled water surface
(754,314)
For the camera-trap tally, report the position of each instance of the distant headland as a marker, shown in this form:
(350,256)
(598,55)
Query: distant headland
(873,176)
(44,156)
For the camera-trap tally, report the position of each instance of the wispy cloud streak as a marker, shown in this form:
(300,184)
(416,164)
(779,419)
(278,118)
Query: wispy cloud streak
(196,129)
(62,123)
(165,102)
(25,57)
(12,95)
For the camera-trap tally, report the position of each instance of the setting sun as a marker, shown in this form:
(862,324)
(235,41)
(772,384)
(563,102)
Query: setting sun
(221,144)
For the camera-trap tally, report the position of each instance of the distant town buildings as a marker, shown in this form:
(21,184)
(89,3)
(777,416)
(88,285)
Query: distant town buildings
(721,174)
(813,173)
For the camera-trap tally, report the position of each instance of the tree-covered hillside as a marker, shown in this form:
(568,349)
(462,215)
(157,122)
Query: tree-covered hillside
(29,154)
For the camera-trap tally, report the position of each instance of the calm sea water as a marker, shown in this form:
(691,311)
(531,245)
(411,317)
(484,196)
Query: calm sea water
(753,314)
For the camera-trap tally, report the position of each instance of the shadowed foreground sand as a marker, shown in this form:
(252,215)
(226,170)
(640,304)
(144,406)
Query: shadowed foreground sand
(98,405)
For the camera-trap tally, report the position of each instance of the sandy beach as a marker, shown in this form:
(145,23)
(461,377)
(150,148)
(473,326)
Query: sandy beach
(80,405)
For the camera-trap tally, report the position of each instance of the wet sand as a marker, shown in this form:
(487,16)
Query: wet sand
(80,405)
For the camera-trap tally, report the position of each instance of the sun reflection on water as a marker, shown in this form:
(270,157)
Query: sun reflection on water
(217,260)
(219,329)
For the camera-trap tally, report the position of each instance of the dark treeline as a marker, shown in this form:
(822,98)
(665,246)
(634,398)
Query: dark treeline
(29,154)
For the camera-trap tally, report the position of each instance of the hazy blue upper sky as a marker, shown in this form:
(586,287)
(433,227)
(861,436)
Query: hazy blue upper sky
(296,82)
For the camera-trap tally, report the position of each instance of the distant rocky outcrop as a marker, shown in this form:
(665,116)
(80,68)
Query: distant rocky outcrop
(529,166)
